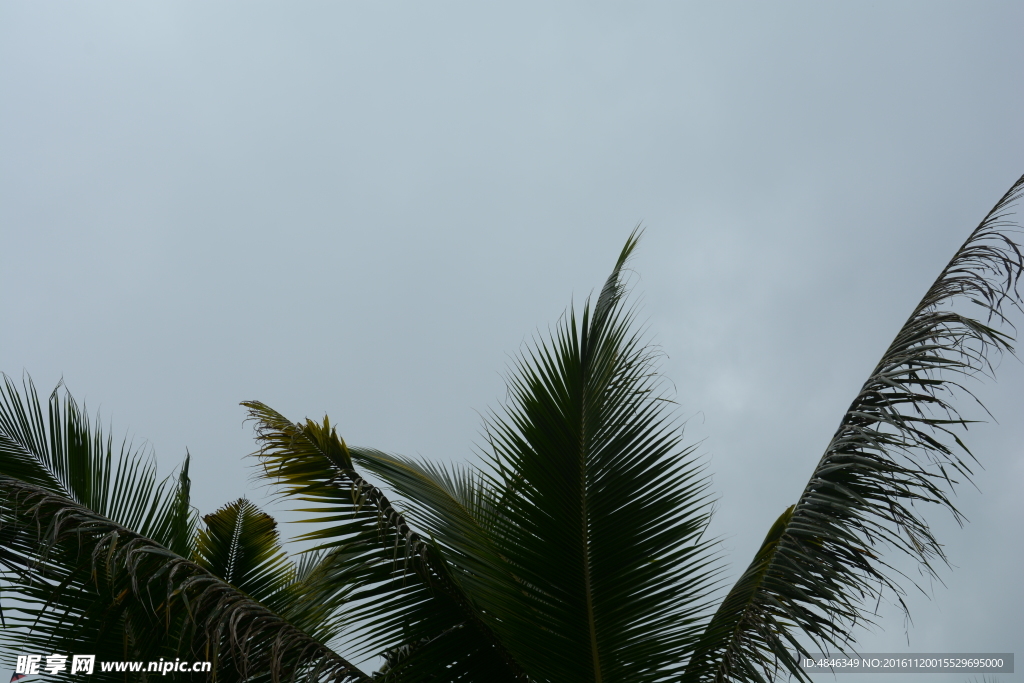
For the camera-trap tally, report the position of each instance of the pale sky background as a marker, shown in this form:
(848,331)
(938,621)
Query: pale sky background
(365,209)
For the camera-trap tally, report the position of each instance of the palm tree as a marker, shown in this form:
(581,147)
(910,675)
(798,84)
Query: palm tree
(575,550)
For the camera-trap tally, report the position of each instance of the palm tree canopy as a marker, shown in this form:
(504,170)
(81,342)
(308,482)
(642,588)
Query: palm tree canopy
(575,550)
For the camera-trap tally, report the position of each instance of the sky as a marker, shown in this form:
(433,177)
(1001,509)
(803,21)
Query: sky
(366,209)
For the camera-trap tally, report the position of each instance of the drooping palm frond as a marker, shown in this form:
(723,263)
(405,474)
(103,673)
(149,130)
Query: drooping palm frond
(413,609)
(896,447)
(76,580)
(50,599)
(165,598)
(455,508)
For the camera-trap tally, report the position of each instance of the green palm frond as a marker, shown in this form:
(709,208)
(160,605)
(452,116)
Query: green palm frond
(598,510)
(407,596)
(164,599)
(455,509)
(66,454)
(240,544)
(50,598)
(896,447)
(78,580)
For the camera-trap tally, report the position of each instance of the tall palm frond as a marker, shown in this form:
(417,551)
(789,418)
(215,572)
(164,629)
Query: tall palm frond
(598,510)
(508,546)
(896,447)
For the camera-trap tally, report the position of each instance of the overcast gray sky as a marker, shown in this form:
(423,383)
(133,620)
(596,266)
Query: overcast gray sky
(365,209)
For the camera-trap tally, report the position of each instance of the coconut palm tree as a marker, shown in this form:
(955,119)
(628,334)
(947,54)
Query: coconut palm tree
(574,551)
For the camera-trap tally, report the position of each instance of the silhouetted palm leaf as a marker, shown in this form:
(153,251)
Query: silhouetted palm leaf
(82,582)
(895,447)
(597,510)
(401,588)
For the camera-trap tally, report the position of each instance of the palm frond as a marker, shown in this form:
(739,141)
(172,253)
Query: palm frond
(66,454)
(896,447)
(240,545)
(53,604)
(455,508)
(166,599)
(79,579)
(598,510)
(401,588)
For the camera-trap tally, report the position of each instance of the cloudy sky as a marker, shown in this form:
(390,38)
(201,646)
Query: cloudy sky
(366,209)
